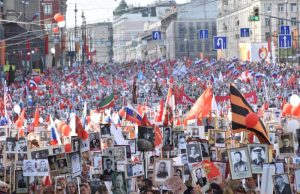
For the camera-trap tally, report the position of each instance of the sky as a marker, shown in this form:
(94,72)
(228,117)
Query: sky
(99,10)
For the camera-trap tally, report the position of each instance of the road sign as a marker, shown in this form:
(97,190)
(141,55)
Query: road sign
(156,35)
(203,34)
(285,30)
(285,41)
(220,42)
(245,32)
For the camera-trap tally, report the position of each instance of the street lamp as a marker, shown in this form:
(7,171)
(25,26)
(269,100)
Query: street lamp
(270,35)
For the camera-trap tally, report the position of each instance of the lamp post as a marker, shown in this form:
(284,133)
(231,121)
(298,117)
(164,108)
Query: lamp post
(26,56)
(83,28)
(286,23)
(188,47)
(270,35)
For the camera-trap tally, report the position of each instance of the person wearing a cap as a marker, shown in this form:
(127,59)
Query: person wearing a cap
(259,160)
(286,148)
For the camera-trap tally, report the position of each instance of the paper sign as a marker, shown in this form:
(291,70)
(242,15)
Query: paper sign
(175,184)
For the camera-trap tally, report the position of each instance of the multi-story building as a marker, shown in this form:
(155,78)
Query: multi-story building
(233,15)
(181,30)
(128,24)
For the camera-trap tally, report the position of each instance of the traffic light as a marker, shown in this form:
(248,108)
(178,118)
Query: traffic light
(256,11)
(255,16)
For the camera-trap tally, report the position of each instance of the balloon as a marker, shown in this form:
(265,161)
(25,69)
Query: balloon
(122,113)
(55,30)
(294,100)
(68,147)
(287,110)
(66,130)
(41,120)
(37,79)
(251,120)
(58,17)
(17,109)
(296,111)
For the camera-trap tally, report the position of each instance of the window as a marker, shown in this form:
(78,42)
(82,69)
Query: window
(281,22)
(267,35)
(294,21)
(48,9)
(268,7)
(192,46)
(293,7)
(267,21)
(280,7)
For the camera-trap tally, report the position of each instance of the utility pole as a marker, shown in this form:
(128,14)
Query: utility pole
(83,33)
(286,23)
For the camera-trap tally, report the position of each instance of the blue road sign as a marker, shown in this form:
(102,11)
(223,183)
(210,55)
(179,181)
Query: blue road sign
(203,34)
(156,35)
(285,30)
(245,32)
(220,42)
(285,41)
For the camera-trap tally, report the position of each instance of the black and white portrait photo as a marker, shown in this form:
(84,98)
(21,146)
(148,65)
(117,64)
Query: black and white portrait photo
(178,171)
(258,156)
(198,177)
(105,130)
(75,160)
(167,136)
(194,152)
(62,165)
(181,141)
(282,184)
(145,138)
(162,170)
(118,183)
(220,137)
(109,142)
(279,167)
(76,144)
(21,182)
(120,153)
(95,141)
(239,163)
(208,124)
(21,145)
(286,144)
(109,165)
(42,168)
(273,137)
(195,132)
(132,144)
(204,149)
(39,154)
(134,169)
(10,144)
(29,167)
(52,162)
(57,150)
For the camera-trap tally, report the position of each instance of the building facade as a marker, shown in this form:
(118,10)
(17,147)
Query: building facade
(233,15)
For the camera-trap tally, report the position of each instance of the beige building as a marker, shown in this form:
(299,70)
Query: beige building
(233,15)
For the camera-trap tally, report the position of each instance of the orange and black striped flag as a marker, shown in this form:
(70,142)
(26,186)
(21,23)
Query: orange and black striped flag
(240,108)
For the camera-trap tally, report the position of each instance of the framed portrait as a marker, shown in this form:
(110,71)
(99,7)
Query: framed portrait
(286,144)
(3,133)
(29,168)
(21,145)
(110,152)
(44,135)
(208,123)
(118,183)
(75,161)
(105,130)
(21,182)
(85,145)
(57,150)
(222,123)
(109,142)
(167,137)
(204,150)
(145,138)
(271,126)
(94,139)
(297,180)
(282,184)
(277,114)
(11,144)
(108,166)
(198,176)
(127,149)
(273,137)
(132,144)
(220,139)
(239,163)
(97,161)
(39,154)
(179,171)
(66,140)
(259,154)
(120,154)
(52,162)
(194,152)
(76,144)
(134,169)
(42,167)
(62,165)
(162,170)
(13,133)
(150,158)
(267,117)
(181,141)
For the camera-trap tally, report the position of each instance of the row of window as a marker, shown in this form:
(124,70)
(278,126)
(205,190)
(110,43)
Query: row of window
(292,7)
(282,22)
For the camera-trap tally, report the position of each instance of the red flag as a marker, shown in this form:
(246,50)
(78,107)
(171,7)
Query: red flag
(79,129)
(158,136)
(36,117)
(160,112)
(211,170)
(145,121)
(202,106)
(169,108)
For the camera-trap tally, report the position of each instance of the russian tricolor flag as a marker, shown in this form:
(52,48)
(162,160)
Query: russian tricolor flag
(132,115)
(32,85)
(55,139)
